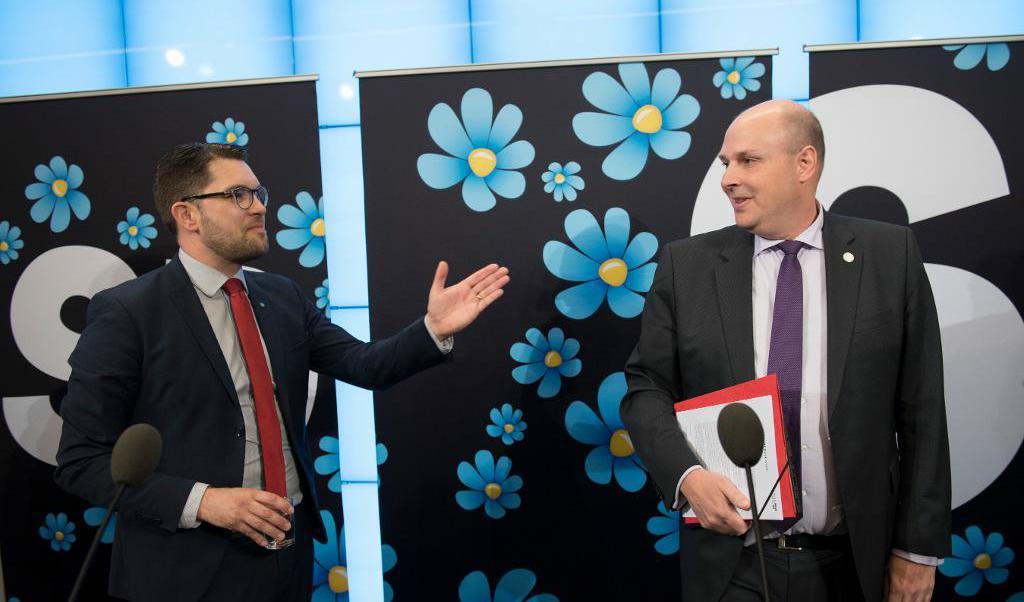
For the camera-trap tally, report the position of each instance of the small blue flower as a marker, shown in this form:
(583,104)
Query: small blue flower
(330,462)
(489,485)
(970,55)
(323,300)
(307,228)
(737,76)
(546,359)
(136,230)
(515,586)
(562,181)
(666,528)
(479,154)
(57,194)
(977,559)
(59,531)
(507,424)
(229,132)
(94,516)
(330,567)
(637,115)
(614,453)
(604,263)
(10,242)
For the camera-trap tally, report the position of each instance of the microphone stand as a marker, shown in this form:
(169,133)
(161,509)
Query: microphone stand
(754,514)
(95,542)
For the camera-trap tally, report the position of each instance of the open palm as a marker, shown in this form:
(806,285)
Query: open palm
(452,308)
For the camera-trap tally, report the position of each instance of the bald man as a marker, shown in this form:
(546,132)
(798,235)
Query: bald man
(840,309)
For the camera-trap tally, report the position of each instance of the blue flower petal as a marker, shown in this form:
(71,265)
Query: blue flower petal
(662,525)
(309,207)
(558,194)
(313,254)
(727,63)
(719,79)
(682,112)
(609,398)
(640,279)
(470,500)
(998,56)
(582,229)
(624,302)
(550,384)
(570,349)
(327,464)
(571,167)
(476,194)
(628,475)
(508,184)
(446,131)
(61,217)
(75,176)
(751,84)
(1002,558)
(570,368)
(4,229)
(517,155)
(598,465)
(526,354)
(969,585)
(567,263)
(293,239)
(582,300)
(669,144)
(997,576)
(44,174)
(969,58)
(628,159)
(79,203)
(641,249)
(477,110)
(666,85)
(637,82)
(739,92)
(470,477)
(293,217)
(515,586)
(726,90)
(576,182)
(616,231)
(548,176)
(755,70)
(668,545)
(242,140)
(956,567)
(59,167)
(584,426)
(549,187)
(229,124)
(743,62)
(962,549)
(493,509)
(570,194)
(537,339)
(505,126)
(440,171)
(475,588)
(975,538)
(993,542)
(485,465)
(605,93)
(602,129)
(42,208)
(494,430)
(37,190)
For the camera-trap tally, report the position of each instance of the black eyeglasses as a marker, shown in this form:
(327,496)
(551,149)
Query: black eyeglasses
(242,196)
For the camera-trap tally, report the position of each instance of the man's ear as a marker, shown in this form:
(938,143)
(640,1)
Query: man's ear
(186,215)
(807,163)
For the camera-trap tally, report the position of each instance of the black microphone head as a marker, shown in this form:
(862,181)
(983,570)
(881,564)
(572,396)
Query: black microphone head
(136,454)
(741,434)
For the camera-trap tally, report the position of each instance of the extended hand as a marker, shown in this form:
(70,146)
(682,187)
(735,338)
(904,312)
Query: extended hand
(909,581)
(451,309)
(255,513)
(714,500)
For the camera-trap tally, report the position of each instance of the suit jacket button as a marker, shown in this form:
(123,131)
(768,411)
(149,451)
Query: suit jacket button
(239,433)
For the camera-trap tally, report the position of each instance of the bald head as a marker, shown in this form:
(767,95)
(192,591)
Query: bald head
(796,124)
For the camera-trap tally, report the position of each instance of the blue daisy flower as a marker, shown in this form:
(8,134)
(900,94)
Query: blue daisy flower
(737,76)
(58,195)
(977,559)
(229,132)
(330,567)
(489,485)
(546,359)
(10,242)
(306,228)
(613,453)
(562,181)
(479,154)
(638,115)
(330,462)
(666,528)
(93,518)
(136,229)
(507,424)
(604,263)
(514,586)
(59,531)
(323,301)
(970,55)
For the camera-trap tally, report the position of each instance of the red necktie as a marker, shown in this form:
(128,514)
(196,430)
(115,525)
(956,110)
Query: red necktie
(271,448)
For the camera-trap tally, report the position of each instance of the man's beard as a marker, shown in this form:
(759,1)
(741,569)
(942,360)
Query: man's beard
(235,246)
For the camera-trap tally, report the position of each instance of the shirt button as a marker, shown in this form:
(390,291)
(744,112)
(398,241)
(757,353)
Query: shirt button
(805,446)
(804,492)
(239,433)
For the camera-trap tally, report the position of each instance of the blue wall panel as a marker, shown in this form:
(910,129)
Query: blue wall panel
(341,163)
(914,19)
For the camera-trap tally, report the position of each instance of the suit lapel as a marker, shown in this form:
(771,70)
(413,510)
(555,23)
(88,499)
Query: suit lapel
(186,302)
(843,263)
(733,281)
(269,328)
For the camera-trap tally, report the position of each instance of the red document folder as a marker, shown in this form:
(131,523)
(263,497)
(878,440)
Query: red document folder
(750,390)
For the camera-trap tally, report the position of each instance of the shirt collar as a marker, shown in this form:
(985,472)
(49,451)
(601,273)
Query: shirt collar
(810,237)
(208,280)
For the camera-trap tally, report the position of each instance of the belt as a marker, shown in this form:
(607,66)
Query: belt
(806,541)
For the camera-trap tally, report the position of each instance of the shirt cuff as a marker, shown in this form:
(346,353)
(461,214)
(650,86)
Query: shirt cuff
(188,518)
(446,345)
(917,558)
(679,501)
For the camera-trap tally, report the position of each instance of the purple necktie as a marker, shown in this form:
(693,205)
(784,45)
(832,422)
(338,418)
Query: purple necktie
(785,356)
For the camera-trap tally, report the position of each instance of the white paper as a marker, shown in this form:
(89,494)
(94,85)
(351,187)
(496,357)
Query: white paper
(700,425)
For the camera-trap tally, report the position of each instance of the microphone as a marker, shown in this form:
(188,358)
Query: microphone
(742,437)
(135,456)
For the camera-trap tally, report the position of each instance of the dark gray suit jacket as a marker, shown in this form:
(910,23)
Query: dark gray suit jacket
(886,410)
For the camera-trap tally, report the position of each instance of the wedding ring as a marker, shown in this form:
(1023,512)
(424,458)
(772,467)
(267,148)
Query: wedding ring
(478,297)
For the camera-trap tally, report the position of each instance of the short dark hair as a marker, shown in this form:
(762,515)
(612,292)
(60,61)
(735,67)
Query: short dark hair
(183,171)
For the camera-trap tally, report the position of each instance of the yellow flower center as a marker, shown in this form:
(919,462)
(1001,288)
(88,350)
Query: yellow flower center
(59,536)
(509,428)
(613,271)
(482,161)
(133,230)
(318,227)
(337,579)
(983,561)
(230,138)
(620,444)
(552,359)
(734,77)
(493,491)
(647,119)
(4,246)
(59,187)
(559,178)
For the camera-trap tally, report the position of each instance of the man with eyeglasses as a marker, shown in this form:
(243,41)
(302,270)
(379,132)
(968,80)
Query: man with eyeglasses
(218,360)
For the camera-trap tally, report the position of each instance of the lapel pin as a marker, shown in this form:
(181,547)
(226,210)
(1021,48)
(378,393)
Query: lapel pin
(262,304)
(847,257)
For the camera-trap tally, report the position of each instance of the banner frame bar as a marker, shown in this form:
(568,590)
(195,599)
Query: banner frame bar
(911,43)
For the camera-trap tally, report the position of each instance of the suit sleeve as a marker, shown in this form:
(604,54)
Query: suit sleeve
(375,365)
(923,516)
(106,374)
(653,388)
